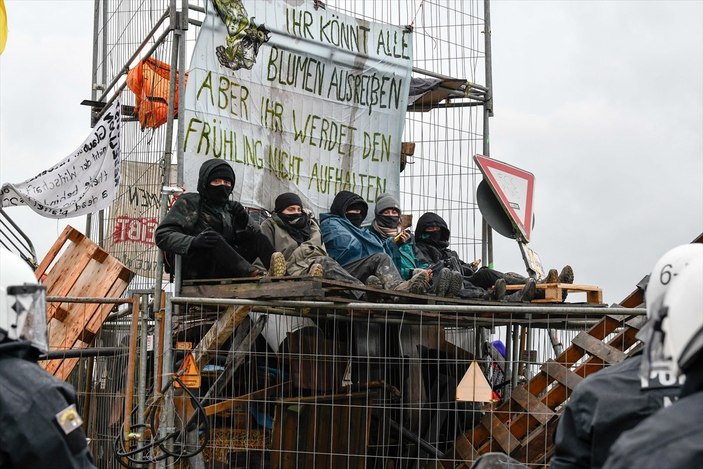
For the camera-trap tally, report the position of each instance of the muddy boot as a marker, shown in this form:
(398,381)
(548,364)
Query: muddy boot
(497,291)
(418,284)
(278,265)
(456,284)
(566,276)
(316,270)
(374,282)
(442,282)
(552,277)
(525,295)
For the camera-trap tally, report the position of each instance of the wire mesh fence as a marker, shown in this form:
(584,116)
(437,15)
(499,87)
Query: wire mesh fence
(249,384)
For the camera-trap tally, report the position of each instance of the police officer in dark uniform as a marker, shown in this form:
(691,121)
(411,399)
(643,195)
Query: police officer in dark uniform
(673,436)
(39,422)
(616,399)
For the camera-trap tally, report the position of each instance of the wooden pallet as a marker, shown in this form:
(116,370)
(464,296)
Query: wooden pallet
(77,267)
(553,292)
(523,426)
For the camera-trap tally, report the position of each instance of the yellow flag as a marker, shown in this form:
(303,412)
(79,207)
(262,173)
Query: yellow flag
(3,26)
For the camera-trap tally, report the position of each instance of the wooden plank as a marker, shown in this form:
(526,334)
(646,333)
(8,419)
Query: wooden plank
(532,405)
(269,393)
(598,349)
(561,373)
(64,368)
(53,251)
(553,292)
(463,450)
(500,433)
(219,333)
(257,290)
(239,351)
(63,276)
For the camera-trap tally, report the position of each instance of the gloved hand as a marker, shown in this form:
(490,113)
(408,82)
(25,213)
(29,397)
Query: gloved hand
(206,239)
(240,217)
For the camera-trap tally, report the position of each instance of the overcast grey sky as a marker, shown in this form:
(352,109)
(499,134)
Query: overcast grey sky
(602,101)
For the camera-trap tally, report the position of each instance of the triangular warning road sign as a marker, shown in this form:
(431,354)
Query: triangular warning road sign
(191,376)
(473,386)
(514,188)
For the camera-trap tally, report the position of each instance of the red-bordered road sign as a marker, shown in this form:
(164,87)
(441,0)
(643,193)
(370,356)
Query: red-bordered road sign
(514,188)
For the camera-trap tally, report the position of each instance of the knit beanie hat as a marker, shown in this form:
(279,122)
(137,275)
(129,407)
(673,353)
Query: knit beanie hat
(222,171)
(385,201)
(286,200)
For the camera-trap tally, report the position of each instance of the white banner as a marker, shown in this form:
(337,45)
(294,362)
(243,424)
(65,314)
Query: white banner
(83,182)
(297,99)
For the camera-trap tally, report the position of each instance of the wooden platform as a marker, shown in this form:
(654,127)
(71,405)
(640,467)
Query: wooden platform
(553,292)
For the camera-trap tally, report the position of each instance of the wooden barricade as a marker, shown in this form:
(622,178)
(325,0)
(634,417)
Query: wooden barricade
(82,269)
(523,426)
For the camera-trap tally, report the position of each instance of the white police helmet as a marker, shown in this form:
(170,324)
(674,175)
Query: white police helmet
(682,317)
(22,303)
(657,366)
(666,270)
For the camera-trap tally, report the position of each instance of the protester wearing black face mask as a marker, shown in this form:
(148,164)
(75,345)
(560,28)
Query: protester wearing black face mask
(432,247)
(397,242)
(361,253)
(294,231)
(213,233)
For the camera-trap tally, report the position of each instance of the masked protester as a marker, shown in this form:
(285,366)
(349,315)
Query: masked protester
(361,253)
(671,437)
(40,426)
(294,231)
(432,247)
(398,243)
(213,233)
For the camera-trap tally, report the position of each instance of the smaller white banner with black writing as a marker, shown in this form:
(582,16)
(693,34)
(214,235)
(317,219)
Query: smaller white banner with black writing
(84,182)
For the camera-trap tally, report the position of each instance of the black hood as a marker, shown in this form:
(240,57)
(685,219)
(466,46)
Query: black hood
(343,200)
(210,167)
(432,219)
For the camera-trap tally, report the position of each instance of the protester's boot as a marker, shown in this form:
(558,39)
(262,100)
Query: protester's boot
(278,265)
(456,284)
(525,295)
(552,277)
(374,282)
(442,282)
(497,291)
(566,276)
(316,270)
(418,284)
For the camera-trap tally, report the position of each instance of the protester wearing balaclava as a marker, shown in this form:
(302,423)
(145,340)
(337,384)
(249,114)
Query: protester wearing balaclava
(386,225)
(212,232)
(359,251)
(296,224)
(350,206)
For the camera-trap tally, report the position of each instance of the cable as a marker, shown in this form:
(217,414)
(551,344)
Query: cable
(121,453)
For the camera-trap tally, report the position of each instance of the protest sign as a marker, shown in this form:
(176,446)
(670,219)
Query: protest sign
(84,182)
(297,99)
